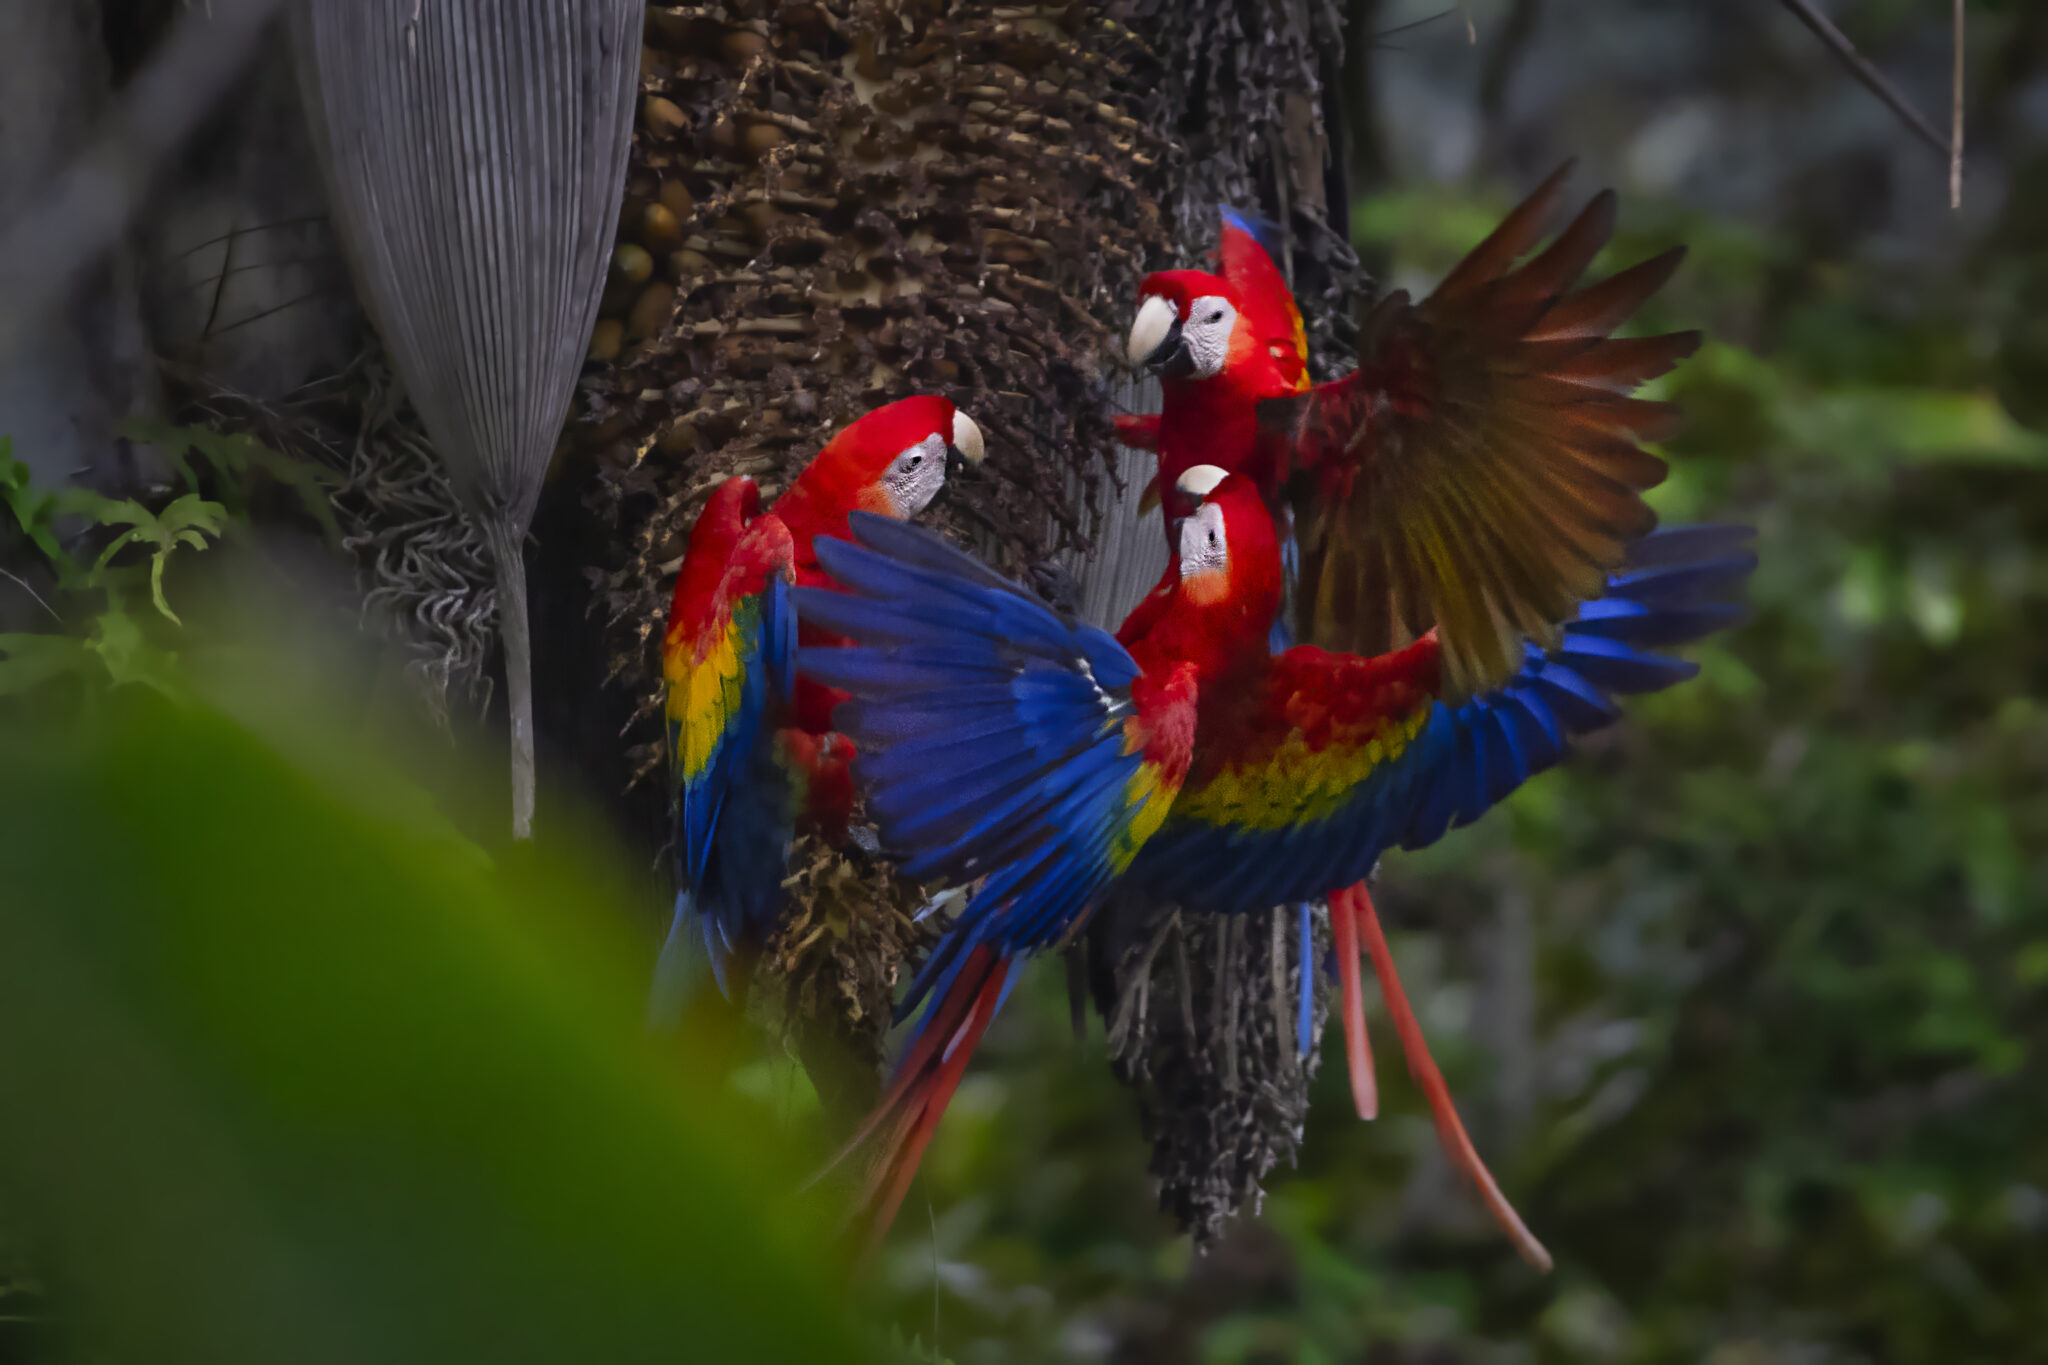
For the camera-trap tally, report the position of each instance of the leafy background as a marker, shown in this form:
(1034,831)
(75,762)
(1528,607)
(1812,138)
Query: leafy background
(1746,1006)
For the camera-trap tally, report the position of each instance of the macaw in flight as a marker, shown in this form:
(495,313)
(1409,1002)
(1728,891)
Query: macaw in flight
(1038,760)
(752,752)
(1488,425)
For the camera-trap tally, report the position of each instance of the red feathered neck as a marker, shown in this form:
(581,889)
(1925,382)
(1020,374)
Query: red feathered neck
(1215,420)
(1221,623)
(1267,304)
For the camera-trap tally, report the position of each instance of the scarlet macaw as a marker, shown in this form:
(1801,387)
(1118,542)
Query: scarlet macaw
(1221,343)
(1487,425)
(1005,745)
(751,747)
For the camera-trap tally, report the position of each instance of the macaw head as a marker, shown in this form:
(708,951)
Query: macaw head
(893,461)
(1229,555)
(1186,326)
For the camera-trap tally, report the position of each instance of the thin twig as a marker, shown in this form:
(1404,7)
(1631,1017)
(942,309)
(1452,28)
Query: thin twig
(1132,993)
(220,285)
(22,583)
(1386,33)
(1955,127)
(249,231)
(259,316)
(1863,71)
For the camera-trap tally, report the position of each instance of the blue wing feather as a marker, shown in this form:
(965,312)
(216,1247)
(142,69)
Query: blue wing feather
(991,732)
(1465,761)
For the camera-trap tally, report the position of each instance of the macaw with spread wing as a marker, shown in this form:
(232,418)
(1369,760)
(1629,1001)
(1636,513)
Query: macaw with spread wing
(752,752)
(1488,427)
(1038,760)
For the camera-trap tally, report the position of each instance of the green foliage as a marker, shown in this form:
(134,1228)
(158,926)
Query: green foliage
(292,1071)
(235,465)
(188,521)
(115,645)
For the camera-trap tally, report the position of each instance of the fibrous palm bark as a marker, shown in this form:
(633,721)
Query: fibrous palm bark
(1201,1010)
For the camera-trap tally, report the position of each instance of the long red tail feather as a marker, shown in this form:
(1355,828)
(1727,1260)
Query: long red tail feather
(1450,1130)
(1365,1092)
(925,1081)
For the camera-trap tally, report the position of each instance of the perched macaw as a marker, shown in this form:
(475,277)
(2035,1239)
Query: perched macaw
(1221,343)
(752,752)
(1041,760)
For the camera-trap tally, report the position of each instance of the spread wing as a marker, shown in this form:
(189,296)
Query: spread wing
(727,670)
(1246,250)
(1000,743)
(1479,474)
(1295,789)
(1337,758)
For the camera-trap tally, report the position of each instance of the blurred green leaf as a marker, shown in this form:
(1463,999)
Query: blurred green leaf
(291,1074)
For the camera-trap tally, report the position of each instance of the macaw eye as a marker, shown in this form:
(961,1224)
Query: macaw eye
(1216,316)
(914,462)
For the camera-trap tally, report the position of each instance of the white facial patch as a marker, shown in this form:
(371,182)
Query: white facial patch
(1202,546)
(1155,319)
(916,475)
(1206,334)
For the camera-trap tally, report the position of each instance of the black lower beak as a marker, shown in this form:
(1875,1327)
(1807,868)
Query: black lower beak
(1170,358)
(956,462)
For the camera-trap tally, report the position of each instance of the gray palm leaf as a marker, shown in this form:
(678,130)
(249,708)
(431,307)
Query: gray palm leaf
(475,153)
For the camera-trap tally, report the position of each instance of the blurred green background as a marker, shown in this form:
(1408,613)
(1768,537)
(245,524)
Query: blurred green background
(1746,1007)
(293,1071)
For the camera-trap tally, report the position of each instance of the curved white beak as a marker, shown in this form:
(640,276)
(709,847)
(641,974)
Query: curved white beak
(967,437)
(1155,319)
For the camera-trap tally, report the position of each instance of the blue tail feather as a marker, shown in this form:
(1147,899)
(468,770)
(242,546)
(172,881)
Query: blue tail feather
(690,951)
(1264,231)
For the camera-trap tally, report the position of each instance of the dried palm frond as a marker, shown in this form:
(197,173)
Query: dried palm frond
(1202,1014)
(474,151)
(422,565)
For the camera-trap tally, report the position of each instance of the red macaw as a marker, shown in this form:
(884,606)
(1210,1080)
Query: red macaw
(1221,344)
(1487,425)
(1036,756)
(752,752)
